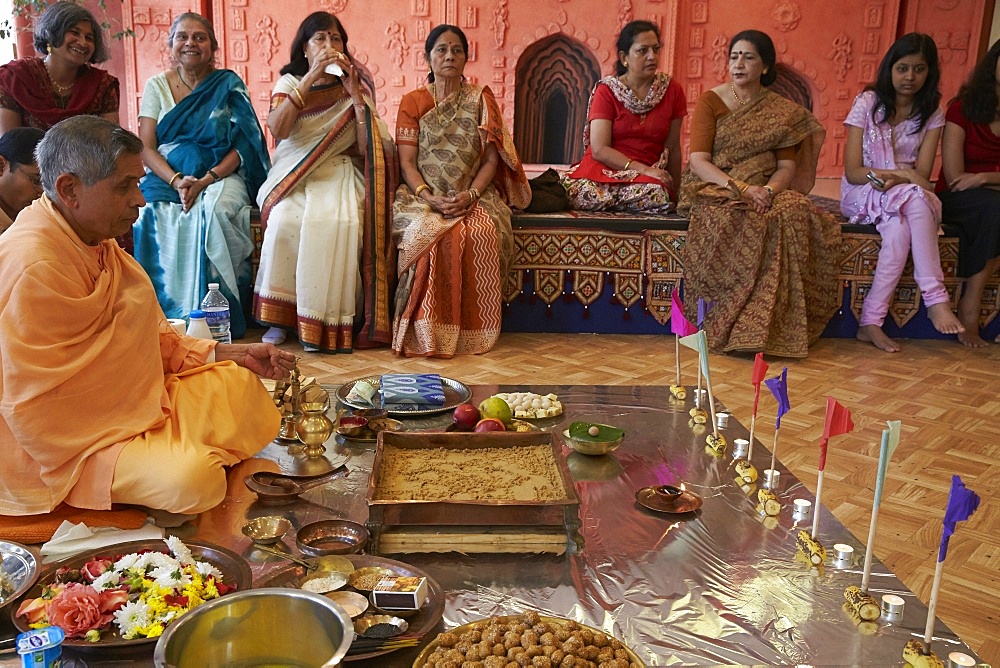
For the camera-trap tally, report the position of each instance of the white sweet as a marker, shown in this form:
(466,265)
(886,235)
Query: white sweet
(531,405)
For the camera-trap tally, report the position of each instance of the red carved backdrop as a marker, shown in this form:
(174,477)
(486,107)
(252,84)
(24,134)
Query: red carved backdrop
(827,50)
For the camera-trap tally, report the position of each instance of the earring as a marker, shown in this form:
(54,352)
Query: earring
(49,49)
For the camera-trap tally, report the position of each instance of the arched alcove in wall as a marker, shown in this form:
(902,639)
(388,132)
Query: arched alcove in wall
(792,85)
(554,77)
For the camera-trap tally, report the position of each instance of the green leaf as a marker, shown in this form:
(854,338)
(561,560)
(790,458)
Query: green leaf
(605,433)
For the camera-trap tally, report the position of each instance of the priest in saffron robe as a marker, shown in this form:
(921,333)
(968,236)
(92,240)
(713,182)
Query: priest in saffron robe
(101,402)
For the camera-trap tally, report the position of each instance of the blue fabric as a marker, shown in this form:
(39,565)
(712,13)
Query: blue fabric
(412,388)
(215,117)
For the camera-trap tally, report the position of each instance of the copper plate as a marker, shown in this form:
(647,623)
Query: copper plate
(421,659)
(235,571)
(687,502)
(425,620)
(455,393)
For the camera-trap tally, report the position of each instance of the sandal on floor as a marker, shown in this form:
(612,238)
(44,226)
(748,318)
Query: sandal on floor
(275,336)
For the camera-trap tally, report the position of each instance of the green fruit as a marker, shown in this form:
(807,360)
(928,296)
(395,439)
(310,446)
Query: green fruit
(495,407)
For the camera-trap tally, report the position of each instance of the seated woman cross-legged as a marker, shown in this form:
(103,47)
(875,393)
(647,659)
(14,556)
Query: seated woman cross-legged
(632,160)
(451,219)
(204,154)
(969,187)
(756,246)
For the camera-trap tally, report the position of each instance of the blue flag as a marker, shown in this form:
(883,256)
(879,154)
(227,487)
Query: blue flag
(703,308)
(962,502)
(779,388)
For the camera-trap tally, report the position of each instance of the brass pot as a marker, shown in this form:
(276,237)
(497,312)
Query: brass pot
(314,428)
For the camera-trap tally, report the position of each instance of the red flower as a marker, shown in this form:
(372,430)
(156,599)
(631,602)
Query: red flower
(77,609)
(181,601)
(94,569)
(112,599)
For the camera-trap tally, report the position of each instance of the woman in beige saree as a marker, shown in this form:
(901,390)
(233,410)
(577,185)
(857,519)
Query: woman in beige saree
(756,246)
(451,219)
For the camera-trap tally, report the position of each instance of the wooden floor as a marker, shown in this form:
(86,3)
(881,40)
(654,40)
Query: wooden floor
(946,395)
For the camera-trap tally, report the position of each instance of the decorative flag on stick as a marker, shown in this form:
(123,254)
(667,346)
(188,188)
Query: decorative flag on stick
(759,371)
(703,308)
(838,421)
(699,342)
(962,502)
(890,440)
(680,326)
(779,388)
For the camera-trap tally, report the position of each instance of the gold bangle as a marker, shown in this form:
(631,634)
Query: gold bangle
(302,102)
(626,165)
(173,178)
(474,194)
(422,187)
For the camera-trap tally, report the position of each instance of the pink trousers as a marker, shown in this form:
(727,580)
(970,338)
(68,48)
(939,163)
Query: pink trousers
(914,228)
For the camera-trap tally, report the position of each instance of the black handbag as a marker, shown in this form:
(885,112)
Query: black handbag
(547,193)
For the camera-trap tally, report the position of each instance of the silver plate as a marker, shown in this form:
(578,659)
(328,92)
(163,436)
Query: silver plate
(20,567)
(455,393)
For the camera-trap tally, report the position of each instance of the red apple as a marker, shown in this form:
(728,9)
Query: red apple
(465,417)
(490,424)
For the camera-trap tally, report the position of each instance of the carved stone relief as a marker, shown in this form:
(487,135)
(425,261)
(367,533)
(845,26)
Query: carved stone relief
(624,11)
(501,23)
(395,43)
(840,54)
(786,16)
(267,38)
(470,17)
(333,5)
(720,56)
(699,11)
(873,15)
(420,7)
(239,20)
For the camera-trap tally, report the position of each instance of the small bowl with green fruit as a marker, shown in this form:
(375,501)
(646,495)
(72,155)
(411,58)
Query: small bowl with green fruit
(591,438)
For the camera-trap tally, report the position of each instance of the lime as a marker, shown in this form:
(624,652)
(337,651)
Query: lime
(495,407)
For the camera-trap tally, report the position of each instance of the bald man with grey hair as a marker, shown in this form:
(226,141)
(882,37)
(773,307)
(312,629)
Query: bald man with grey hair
(101,401)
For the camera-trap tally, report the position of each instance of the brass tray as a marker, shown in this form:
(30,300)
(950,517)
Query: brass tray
(421,660)
(235,571)
(455,393)
(290,576)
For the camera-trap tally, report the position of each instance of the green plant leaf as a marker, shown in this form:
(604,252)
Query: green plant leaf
(605,433)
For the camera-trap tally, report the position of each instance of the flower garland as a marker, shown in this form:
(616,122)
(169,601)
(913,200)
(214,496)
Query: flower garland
(140,592)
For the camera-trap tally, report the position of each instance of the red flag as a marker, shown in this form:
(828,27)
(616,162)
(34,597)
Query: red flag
(838,421)
(759,371)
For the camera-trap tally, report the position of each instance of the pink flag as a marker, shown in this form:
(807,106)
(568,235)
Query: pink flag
(679,325)
(759,371)
(838,421)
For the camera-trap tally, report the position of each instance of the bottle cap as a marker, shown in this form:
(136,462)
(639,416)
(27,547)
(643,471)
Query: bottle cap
(213,286)
(198,313)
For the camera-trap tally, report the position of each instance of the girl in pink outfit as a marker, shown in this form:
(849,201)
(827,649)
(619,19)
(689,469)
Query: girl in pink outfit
(893,131)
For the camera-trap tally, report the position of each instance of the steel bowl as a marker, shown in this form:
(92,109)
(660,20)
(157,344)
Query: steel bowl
(20,570)
(258,627)
(266,530)
(326,537)
(592,447)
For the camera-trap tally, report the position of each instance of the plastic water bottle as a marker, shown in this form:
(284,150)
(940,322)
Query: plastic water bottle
(198,326)
(216,308)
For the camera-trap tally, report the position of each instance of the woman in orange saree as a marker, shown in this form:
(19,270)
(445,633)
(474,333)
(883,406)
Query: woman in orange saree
(451,219)
(756,246)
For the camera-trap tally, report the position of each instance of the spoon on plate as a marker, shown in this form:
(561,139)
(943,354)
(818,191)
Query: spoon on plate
(309,566)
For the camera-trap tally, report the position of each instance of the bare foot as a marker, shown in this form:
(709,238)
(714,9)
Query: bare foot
(944,320)
(970,337)
(874,335)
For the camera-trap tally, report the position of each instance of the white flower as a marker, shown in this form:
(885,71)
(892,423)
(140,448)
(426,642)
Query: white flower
(106,580)
(206,569)
(155,560)
(131,617)
(127,562)
(170,577)
(180,550)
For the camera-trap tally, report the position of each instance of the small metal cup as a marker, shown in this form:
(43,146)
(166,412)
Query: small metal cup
(722,420)
(740,447)
(771,479)
(892,606)
(801,509)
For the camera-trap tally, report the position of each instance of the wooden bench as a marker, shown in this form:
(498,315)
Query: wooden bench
(614,273)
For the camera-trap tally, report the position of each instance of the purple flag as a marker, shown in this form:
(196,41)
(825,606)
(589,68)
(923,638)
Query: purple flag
(962,502)
(679,325)
(703,308)
(779,388)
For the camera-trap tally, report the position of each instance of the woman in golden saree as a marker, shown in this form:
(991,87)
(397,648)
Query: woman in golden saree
(756,246)
(451,217)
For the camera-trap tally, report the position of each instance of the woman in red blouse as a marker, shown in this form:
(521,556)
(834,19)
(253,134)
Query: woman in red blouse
(969,187)
(632,160)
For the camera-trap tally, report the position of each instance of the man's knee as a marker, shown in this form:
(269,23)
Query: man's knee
(191,484)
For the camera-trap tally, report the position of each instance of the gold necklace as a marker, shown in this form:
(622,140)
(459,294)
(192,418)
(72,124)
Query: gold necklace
(736,95)
(458,103)
(62,90)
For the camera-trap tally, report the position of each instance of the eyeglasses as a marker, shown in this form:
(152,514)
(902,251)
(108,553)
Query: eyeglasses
(35,181)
